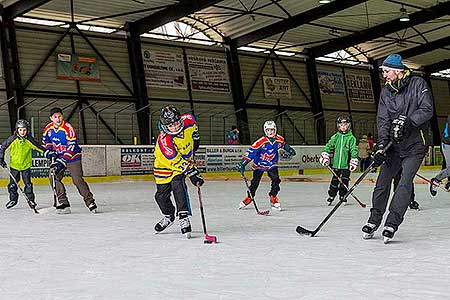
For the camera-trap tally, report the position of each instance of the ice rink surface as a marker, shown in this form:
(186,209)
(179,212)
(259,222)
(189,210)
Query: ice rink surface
(115,254)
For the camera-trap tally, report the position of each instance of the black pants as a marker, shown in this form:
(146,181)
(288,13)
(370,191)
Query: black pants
(397,180)
(273,175)
(336,186)
(12,187)
(402,195)
(179,189)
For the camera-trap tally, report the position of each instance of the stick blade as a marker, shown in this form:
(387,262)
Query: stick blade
(303,231)
(210,239)
(263,212)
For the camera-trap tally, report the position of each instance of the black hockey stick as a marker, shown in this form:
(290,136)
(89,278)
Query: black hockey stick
(209,239)
(303,231)
(263,212)
(30,204)
(430,182)
(363,205)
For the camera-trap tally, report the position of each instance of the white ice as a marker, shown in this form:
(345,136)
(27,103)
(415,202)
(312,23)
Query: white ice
(115,255)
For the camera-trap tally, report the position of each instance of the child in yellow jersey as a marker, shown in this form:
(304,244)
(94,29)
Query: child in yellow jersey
(174,159)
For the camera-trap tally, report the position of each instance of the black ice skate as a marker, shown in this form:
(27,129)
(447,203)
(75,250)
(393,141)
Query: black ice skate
(185,225)
(369,230)
(388,234)
(93,208)
(344,201)
(330,200)
(11,204)
(434,186)
(165,222)
(414,205)
(447,186)
(63,209)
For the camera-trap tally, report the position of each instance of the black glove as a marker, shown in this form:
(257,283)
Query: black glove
(196,136)
(58,166)
(378,158)
(3,163)
(195,177)
(240,166)
(51,155)
(400,127)
(291,152)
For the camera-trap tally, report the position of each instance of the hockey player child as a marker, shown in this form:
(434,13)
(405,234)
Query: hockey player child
(264,153)
(345,159)
(60,136)
(174,159)
(20,146)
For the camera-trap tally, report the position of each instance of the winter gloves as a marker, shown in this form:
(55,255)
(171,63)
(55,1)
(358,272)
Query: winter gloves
(324,159)
(353,164)
(400,127)
(58,166)
(195,177)
(241,166)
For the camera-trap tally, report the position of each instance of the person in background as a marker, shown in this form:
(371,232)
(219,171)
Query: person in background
(233,136)
(60,136)
(364,153)
(445,148)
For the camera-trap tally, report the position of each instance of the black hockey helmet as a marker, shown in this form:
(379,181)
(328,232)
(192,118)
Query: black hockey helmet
(22,124)
(170,115)
(343,120)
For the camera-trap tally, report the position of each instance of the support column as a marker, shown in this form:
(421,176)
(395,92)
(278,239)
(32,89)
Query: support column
(139,86)
(376,82)
(237,90)
(316,100)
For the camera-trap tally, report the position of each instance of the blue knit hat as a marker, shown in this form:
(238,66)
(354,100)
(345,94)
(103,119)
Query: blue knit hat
(393,62)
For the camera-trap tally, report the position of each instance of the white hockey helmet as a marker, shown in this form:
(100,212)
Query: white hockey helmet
(270,125)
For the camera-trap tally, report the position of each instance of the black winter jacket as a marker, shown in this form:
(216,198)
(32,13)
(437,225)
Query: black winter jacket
(411,97)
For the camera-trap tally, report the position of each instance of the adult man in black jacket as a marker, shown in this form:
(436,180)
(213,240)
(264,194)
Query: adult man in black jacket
(404,111)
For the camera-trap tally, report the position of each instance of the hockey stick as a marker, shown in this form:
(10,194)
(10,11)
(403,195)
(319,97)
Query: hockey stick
(303,231)
(33,207)
(263,212)
(363,205)
(209,239)
(430,182)
(53,185)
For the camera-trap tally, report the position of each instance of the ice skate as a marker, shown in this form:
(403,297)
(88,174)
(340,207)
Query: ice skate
(414,205)
(11,204)
(93,208)
(388,234)
(330,200)
(275,204)
(245,202)
(63,209)
(185,225)
(369,230)
(447,186)
(165,222)
(434,186)
(344,201)
(32,204)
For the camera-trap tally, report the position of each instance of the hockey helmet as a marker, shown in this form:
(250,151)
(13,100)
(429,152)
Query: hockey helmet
(170,115)
(270,125)
(22,124)
(343,120)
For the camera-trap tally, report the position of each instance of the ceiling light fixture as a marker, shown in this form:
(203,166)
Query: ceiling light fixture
(325,1)
(404,17)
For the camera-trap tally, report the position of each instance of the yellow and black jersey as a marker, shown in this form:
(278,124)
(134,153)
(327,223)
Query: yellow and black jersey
(174,154)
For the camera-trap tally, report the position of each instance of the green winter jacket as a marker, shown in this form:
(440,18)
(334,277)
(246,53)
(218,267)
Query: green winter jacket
(20,151)
(344,144)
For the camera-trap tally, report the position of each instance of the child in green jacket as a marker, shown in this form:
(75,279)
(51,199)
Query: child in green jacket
(345,158)
(20,146)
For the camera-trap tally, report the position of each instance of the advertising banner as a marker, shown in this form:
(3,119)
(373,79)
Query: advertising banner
(359,88)
(76,67)
(136,160)
(208,74)
(277,87)
(164,70)
(331,83)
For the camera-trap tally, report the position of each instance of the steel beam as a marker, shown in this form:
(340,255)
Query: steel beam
(169,14)
(21,7)
(296,21)
(439,66)
(419,17)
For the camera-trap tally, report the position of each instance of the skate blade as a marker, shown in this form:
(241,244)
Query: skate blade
(387,240)
(367,236)
(94,211)
(276,208)
(187,235)
(64,211)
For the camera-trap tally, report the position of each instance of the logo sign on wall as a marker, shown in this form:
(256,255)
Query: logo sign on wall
(164,70)
(359,88)
(277,87)
(331,83)
(208,74)
(75,67)
(135,161)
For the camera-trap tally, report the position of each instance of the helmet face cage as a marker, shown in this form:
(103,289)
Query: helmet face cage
(170,116)
(343,120)
(270,125)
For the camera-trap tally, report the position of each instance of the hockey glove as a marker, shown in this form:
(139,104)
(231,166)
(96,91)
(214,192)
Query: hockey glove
(378,158)
(196,136)
(3,163)
(324,159)
(353,164)
(51,155)
(58,166)
(195,177)
(241,166)
(400,127)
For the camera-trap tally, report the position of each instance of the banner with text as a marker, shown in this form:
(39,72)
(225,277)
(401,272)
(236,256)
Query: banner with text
(331,83)
(136,160)
(208,74)
(164,70)
(277,87)
(75,67)
(359,88)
